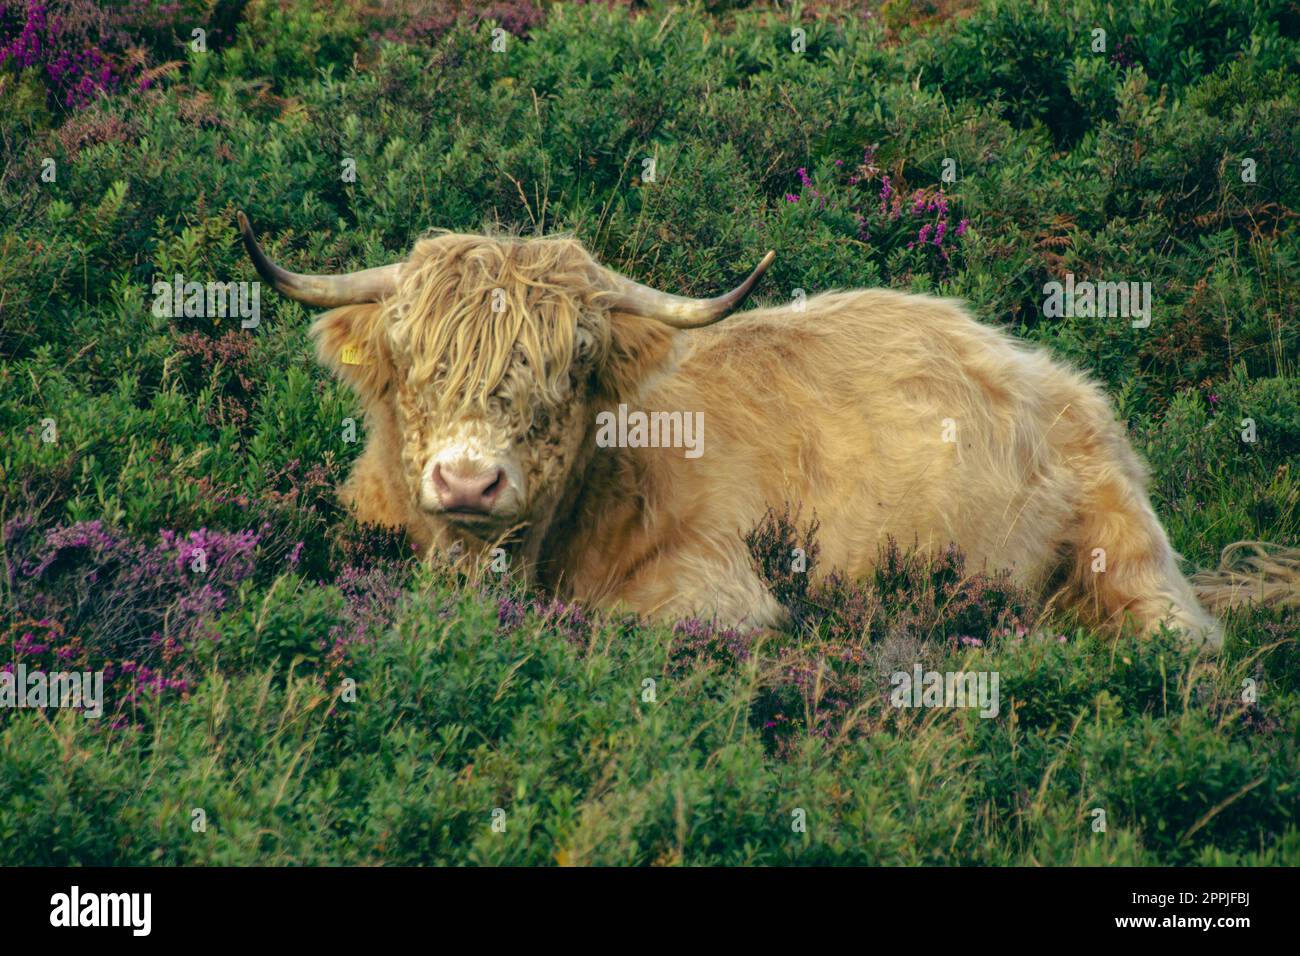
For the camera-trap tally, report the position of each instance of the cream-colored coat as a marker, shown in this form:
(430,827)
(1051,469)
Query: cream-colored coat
(879,412)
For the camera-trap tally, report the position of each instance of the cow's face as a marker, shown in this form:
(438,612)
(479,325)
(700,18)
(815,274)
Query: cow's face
(493,350)
(483,359)
(487,465)
(496,347)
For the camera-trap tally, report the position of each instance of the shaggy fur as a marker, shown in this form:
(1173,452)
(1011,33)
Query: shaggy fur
(882,413)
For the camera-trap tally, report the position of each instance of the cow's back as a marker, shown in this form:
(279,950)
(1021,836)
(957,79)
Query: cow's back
(885,414)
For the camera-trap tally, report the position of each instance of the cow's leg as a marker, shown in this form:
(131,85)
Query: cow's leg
(1124,564)
(374,496)
(716,584)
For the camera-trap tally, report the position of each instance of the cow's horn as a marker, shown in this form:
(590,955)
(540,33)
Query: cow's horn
(326,292)
(679,311)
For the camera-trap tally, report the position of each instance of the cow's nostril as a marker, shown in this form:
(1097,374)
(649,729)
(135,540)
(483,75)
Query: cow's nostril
(468,493)
(439,483)
(498,485)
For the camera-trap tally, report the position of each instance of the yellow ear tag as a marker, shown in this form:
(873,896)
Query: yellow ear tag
(352,355)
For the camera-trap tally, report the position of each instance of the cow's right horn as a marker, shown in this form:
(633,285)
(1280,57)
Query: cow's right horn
(679,311)
(326,292)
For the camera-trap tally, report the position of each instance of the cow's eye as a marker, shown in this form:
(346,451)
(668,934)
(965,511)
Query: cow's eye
(535,426)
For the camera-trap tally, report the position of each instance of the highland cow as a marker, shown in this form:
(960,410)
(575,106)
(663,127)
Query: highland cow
(484,364)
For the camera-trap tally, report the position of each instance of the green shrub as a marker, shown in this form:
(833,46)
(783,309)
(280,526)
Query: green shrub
(338,704)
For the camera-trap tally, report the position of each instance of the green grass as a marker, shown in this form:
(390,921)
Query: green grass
(319,717)
(453,719)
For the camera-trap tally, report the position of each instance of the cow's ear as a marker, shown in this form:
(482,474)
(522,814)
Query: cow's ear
(351,340)
(638,348)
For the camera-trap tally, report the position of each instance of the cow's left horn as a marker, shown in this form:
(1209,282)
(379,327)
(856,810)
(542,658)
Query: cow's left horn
(679,311)
(326,292)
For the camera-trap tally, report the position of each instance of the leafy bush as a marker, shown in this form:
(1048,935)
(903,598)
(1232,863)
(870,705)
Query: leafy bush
(328,701)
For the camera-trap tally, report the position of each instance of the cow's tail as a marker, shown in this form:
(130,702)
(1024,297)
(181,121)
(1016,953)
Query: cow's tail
(1250,572)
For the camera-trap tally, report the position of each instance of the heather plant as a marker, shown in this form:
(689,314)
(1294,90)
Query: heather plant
(904,232)
(83,50)
(123,597)
(226,362)
(932,596)
(565,620)
(925,210)
(844,632)
(371,598)
(420,21)
(74,70)
(106,602)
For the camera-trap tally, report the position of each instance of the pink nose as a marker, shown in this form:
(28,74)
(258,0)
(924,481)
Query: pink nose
(474,494)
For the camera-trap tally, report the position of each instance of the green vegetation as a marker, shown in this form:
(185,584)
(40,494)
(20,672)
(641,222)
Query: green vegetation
(168,512)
